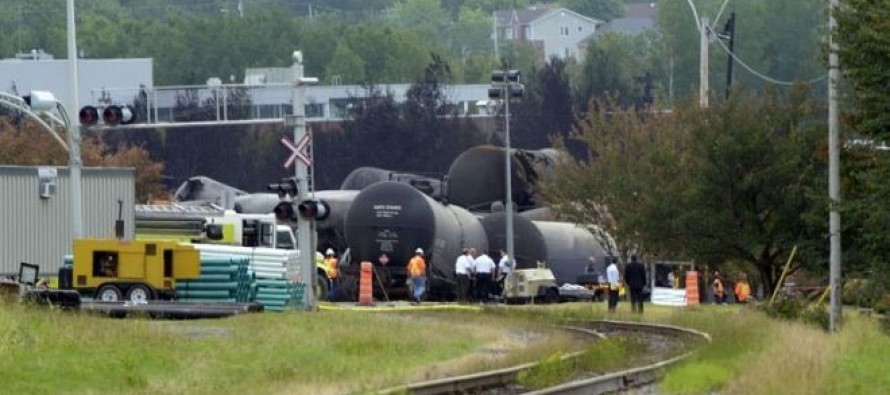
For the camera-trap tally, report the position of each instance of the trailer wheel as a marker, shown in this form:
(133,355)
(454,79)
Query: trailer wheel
(109,293)
(139,293)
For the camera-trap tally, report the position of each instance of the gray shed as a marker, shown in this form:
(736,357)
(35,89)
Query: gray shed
(35,212)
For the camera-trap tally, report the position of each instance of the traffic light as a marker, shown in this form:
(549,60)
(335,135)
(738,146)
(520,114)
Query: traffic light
(506,76)
(111,115)
(288,186)
(506,83)
(284,211)
(313,209)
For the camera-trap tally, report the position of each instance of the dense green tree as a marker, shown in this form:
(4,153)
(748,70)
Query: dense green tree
(733,183)
(863,39)
(613,64)
(545,110)
(345,65)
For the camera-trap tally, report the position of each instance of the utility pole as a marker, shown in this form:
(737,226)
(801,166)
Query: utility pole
(74,160)
(305,234)
(729,31)
(834,216)
(703,88)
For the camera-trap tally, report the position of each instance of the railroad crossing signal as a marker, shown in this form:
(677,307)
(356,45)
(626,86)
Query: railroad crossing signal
(299,151)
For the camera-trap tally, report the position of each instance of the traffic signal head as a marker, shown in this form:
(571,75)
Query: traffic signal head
(284,211)
(288,186)
(88,115)
(111,115)
(118,115)
(313,209)
(512,90)
(505,76)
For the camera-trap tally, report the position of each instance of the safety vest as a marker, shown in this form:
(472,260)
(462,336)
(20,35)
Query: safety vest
(330,265)
(742,290)
(416,266)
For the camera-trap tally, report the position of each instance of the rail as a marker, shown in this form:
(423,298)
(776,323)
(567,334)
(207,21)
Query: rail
(611,382)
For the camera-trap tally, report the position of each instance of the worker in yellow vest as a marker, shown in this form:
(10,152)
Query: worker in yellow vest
(333,272)
(417,275)
(719,291)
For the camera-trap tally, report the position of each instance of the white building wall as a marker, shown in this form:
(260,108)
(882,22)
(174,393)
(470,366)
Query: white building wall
(561,31)
(38,230)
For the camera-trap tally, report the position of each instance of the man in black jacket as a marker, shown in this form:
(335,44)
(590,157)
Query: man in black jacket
(635,277)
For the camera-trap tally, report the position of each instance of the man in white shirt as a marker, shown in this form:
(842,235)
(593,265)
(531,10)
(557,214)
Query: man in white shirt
(614,280)
(484,268)
(505,266)
(462,274)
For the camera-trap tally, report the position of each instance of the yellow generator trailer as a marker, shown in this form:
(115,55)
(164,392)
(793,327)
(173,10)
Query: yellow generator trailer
(135,270)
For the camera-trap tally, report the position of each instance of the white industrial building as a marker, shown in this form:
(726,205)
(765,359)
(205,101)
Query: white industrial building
(36,212)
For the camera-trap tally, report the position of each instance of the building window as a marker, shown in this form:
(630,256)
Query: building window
(580,28)
(564,31)
(508,33)
(527,32)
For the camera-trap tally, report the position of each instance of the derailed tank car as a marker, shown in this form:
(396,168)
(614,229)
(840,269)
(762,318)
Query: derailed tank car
(529,244)
(569,248)
(477,176)
(396,218)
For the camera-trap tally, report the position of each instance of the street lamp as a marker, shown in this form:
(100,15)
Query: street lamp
(506,85)
(35,105)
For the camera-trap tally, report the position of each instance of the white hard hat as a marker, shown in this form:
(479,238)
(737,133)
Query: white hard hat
(419,251)
(330,251)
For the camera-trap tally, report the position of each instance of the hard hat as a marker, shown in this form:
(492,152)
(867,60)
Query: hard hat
(330,251)
(419,251)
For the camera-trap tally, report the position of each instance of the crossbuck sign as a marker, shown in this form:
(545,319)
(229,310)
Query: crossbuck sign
(299,151)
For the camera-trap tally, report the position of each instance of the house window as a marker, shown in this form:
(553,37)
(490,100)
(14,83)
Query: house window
(580,28)
(527,32)
(564,31)
(508,33)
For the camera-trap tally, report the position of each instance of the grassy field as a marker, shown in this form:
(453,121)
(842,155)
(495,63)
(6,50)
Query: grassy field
(334,352)
(51,352)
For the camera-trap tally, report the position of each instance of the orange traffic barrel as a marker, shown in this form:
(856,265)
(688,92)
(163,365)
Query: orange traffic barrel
(691,287)
(365,289)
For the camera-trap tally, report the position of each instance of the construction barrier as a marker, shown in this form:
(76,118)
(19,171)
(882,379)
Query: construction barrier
(365,296)
(691,287)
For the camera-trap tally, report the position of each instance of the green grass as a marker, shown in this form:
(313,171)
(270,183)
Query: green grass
(52,352)
(335,352)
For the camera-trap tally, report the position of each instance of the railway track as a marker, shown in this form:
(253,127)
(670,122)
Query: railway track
(506,381)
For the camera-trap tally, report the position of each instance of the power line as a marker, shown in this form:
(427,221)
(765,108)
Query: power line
(764,76)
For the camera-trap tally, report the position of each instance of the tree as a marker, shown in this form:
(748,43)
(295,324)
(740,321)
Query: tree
(30,146)
(545,110)
(733,183)
(863,38)
(346,65)
(611,66)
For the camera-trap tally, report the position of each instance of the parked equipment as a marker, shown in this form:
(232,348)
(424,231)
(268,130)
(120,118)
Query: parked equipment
(531,285)
(113,270)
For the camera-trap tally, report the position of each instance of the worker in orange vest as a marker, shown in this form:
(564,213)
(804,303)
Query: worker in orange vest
(742,290)
(333,272)
(417,275)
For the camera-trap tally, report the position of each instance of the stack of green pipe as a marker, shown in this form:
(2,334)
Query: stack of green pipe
(278,294)
(222,279)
